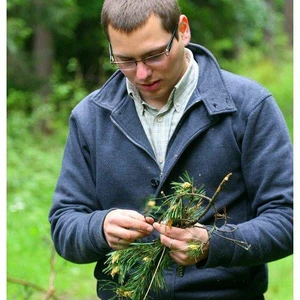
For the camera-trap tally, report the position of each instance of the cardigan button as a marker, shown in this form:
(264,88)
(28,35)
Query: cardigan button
(154,183)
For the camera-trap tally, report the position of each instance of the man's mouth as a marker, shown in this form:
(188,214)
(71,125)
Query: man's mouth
(150,86)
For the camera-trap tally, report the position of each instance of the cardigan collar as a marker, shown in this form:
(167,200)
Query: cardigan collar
(210,89)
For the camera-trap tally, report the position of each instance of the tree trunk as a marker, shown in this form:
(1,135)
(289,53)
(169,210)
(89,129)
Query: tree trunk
(43,57)
(268,36)
(43,54)
(288,19)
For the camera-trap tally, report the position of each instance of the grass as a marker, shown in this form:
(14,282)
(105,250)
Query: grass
(32,169)
(276,74)
(281,280)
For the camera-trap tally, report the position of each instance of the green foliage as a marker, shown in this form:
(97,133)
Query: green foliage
(32,168)
(145,262)
(280,285)
(225,26)
(230,29)
(186,207)
(17,33)
(33,163)
(274,71)
(140,267)
(26,104)
(66,94)
(61,16)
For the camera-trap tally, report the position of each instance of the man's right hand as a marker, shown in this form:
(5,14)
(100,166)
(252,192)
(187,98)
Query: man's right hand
(122,227)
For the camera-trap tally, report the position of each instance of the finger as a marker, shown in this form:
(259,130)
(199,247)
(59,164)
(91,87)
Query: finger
(120,243)
(134,215)
(137,222)
(191,234)
(180,260)
(171,243)
(128,235)
(126,225)
(149,220)
(119,235)
(171,231)
(162,228)
(183,259)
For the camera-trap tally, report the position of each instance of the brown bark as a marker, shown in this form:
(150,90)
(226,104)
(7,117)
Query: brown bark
(288,19)
(43,57)
(43,54)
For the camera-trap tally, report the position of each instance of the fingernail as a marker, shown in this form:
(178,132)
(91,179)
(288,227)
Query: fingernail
(149,228)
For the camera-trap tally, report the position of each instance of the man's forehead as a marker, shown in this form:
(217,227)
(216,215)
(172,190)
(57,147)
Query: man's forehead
(141,41)
(152,26)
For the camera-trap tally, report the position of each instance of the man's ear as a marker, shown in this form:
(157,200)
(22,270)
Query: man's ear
(184,29)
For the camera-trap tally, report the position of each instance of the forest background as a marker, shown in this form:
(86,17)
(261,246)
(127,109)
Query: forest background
(56,55)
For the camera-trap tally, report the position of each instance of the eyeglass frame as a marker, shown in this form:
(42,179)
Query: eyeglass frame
(166,52)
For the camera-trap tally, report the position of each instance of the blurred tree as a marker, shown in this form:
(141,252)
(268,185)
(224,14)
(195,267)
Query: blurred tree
(88,46)
(61,42)
(31,54)
(19,32)
(43,51)
(288,16)
(225,26)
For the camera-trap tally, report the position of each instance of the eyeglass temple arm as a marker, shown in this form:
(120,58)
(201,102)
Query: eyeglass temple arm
(111,57)
(169,46)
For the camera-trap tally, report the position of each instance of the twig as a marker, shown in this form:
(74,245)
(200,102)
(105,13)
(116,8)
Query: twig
(214,197)
(211,202)
(51,289)
(48,294)
(30,285)
(242,244)
(156,269)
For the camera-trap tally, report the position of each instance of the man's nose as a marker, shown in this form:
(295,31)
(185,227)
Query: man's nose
(142,70)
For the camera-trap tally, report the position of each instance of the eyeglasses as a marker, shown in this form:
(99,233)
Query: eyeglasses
(152,60)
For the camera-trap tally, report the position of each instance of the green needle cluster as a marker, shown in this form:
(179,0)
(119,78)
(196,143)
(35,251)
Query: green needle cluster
(140,267)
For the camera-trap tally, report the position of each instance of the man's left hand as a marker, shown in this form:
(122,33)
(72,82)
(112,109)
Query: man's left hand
(178,240)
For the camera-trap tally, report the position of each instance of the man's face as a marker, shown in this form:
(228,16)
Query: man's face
(154,83)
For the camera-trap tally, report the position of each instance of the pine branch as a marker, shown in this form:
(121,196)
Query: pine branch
(213,199)
(155,272)
(140,266)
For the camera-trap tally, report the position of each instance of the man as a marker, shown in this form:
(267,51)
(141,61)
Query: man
(170,109)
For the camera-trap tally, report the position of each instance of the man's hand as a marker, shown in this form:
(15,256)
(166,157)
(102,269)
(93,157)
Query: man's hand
(177,239)
(122,227)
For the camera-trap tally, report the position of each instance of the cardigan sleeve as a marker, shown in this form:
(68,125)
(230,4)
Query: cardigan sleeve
(267,167)
(76,217)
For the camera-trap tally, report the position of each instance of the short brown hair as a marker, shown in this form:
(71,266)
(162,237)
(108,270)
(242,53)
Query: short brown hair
(129,15)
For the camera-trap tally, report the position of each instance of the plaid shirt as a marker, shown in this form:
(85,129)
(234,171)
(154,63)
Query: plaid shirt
(159,125)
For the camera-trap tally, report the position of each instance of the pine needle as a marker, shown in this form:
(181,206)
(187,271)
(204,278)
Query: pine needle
(155,272)
(139,268)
